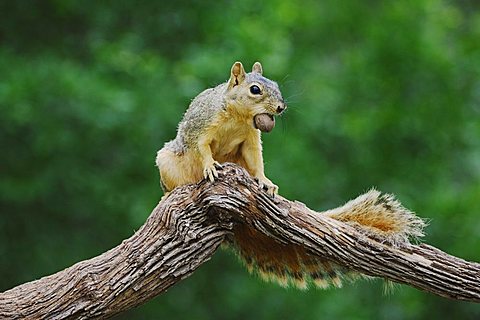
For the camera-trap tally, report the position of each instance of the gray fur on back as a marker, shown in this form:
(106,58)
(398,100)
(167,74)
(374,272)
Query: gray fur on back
(198,116)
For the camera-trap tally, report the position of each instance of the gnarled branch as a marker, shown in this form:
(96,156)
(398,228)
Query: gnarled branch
(186,228)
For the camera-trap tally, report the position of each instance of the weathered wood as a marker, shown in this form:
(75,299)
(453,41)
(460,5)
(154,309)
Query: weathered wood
(176,239)
(186,228)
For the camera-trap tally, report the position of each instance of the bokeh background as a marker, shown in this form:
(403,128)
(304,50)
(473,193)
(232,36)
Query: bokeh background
(380,93)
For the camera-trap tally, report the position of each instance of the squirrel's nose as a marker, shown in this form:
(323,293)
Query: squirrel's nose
(281,108)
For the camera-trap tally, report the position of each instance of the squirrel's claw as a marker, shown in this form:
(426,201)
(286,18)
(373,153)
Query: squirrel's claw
(268,186)
(272,190)
(210,172)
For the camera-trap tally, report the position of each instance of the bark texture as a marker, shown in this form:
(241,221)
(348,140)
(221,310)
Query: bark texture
(186,228)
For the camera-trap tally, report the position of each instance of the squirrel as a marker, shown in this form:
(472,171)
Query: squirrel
(223,124)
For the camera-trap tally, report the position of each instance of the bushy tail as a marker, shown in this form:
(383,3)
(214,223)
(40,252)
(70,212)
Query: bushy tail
(374,213)
(288,265)
(380,214)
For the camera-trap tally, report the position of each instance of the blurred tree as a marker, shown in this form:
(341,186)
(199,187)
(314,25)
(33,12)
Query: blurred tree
(382,94)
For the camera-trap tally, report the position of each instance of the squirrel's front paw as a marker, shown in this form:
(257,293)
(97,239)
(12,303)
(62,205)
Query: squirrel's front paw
(264,183)
(210,172)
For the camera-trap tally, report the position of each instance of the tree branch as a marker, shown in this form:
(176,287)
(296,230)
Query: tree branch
(186,228)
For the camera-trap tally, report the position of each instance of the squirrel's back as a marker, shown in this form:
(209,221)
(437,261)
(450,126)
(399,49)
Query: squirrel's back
(202,111)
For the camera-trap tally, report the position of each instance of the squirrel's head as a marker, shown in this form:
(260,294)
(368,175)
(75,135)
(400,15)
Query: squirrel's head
(253,93)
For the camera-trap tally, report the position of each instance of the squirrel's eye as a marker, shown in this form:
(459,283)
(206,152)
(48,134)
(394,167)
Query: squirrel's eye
(255,90)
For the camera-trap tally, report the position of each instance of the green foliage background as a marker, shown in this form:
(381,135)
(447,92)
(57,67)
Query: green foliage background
(380,93)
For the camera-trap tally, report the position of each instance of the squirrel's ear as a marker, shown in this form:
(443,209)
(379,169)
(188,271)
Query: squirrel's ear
(237,75)
(257,67)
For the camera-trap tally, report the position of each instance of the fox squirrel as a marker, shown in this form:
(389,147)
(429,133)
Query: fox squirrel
(223,124)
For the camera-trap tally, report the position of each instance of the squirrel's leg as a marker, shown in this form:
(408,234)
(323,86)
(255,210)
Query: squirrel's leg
(208,163)
(177,169)
(252,154)
(167,165)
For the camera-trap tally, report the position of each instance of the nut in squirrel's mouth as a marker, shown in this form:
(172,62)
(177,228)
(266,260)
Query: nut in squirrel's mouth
(265,122)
